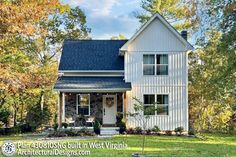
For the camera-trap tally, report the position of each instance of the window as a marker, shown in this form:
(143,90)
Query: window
(162,104)
(149,64)
(156,105)
(83,104)
(149,107)
(162,64)
(155,64)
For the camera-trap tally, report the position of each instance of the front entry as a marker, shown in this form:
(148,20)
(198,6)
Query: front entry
(109,109)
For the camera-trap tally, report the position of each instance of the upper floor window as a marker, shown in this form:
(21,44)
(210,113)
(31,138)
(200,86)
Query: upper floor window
(155,64)
(162,64)
(148,64)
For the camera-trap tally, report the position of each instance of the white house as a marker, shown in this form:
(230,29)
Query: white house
(99,78)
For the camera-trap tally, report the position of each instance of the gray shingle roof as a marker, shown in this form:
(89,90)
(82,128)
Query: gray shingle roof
(92,55)
(91,83)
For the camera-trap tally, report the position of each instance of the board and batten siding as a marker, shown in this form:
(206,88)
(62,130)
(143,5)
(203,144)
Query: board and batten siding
(158,39)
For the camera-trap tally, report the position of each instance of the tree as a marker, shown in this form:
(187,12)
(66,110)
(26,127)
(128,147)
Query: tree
(181,13)
(31,37)
(4,115)
(119,37)
(211,81)
(140,117)
(212,70)
(37,119)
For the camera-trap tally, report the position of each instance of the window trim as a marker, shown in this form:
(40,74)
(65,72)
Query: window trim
(155,98)
(155,66)
(77,104)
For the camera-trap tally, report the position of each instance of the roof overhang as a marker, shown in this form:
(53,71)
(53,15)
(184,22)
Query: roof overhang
(91,84)
(124,48)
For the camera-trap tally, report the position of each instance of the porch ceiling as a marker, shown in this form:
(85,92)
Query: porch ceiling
(91,84)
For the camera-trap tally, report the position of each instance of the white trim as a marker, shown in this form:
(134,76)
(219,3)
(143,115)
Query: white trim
(77,104)
(63,107)
(94,90)
(94,75)
(166,23)
(186,97)
(91,71)
(58,110)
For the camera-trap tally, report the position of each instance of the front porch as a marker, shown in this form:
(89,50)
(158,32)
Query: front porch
(79,109)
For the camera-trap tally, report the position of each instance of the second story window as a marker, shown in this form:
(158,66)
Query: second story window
(148,64)
(162,64)
(155,64)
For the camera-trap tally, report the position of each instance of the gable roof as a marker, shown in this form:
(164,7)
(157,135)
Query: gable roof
(92,55)
(166,23)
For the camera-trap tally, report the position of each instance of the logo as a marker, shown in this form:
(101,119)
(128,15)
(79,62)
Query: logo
(8,148)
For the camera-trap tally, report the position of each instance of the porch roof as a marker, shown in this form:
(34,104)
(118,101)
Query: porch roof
(91,84)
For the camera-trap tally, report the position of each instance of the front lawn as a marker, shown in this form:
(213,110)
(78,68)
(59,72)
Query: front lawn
(214,145)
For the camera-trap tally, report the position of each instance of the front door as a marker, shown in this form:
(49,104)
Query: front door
(109,109)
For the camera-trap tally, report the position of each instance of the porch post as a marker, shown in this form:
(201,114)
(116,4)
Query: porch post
(124,105)
(63,107)
(59,109)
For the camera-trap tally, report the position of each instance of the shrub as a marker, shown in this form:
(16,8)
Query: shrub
(148,132)
(119,117)
(138,130)
(191,132)
(65,125)
(55,126)
(85,132)
(71,132)
(130,131)
(122,127)
(179,130)
(4,115)
(35,118)
(168,132)
(156,129)
(25,128)
(96,127)
(59,133)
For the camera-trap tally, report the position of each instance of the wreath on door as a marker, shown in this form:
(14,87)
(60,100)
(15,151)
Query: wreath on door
(109,102)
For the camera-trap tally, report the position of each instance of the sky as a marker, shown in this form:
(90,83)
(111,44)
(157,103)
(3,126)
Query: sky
(108,18)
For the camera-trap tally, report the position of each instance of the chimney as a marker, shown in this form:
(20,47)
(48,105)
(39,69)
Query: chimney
(184,34)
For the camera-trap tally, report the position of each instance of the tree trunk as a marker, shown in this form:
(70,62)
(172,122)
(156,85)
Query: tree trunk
(14,115)
(21,112)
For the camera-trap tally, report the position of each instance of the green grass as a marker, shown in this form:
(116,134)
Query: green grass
(213,145)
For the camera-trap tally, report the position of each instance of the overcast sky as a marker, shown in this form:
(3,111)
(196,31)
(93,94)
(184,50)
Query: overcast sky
(107,18)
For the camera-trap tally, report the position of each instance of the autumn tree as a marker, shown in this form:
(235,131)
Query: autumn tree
(212,73)
(31,37)
(180,13)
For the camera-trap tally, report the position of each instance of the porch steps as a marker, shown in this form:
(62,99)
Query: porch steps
(109,131)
